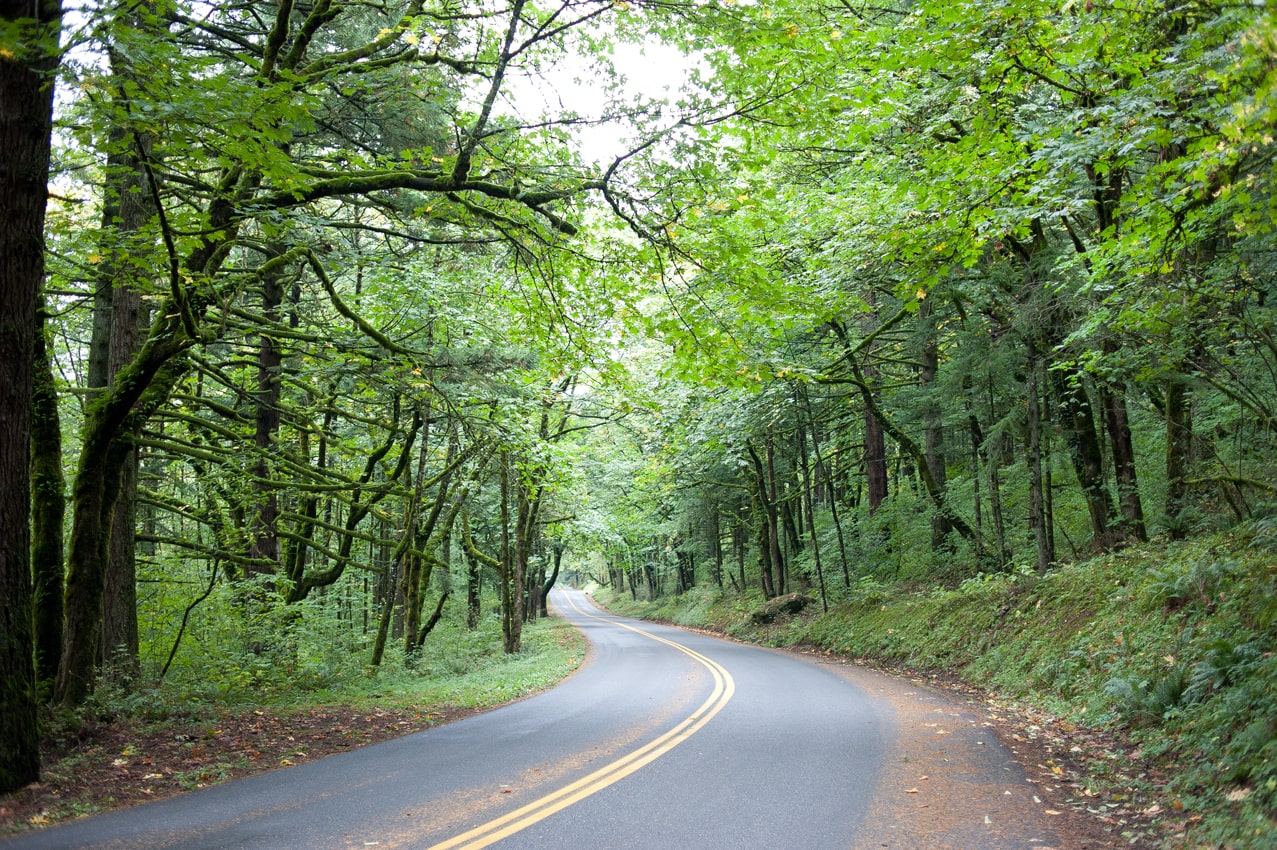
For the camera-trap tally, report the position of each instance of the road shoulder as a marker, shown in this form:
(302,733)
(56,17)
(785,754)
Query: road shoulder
(964,773)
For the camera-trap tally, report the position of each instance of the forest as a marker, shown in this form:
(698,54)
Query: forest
(335,334)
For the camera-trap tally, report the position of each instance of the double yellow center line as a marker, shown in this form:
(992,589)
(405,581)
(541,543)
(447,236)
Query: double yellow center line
(538,810)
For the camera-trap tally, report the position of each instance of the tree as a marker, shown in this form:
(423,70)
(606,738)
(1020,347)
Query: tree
(27,66)
(265,144)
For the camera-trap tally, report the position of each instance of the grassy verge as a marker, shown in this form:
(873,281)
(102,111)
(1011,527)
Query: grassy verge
(456,668)
(552,650)
(1169,645)
(147,743)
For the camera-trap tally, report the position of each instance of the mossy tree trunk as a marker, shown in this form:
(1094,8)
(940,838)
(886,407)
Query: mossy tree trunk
(1039,514)
(48,511)
(1179,445)
(26,115)
(933,421)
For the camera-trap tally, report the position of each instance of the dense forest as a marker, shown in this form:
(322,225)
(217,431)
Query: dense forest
(350,320)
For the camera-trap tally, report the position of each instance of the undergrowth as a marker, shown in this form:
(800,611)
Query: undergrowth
(1170,645)
(456,667)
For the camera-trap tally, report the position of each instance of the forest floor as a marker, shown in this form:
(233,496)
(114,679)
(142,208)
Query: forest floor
(123,762)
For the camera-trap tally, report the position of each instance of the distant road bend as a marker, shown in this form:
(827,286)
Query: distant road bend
(665,739)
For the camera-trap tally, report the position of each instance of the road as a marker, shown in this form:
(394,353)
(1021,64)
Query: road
(665,739)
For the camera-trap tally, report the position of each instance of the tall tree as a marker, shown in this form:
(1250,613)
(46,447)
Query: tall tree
(27,66)
(262,147)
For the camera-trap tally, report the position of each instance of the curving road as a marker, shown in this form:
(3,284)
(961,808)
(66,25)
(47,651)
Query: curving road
(666,739)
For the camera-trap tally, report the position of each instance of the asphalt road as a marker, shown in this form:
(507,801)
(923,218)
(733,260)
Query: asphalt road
(665,739)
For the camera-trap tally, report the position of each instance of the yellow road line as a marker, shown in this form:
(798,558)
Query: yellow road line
(538,810)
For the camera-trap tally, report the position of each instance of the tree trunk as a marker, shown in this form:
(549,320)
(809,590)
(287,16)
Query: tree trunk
(434,619)
(473,604)
(554,577)
(266,402)
(1037,494)
(933,436)
(110,424)
(475,559)
(768,527)
(118,318)
(875,457)
(833,491)
(26,115)
(764,548)
(1128,491)
(875,462)
(510,624)
(390,588)
(989,456)
(740,538)
(1179,446)
(121,645)
(48,510)
(809,504)
(1085,452)
(910,450)
(714,531)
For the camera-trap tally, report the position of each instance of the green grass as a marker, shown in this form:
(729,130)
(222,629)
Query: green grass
(1169,645)
(552,650)
(456,667)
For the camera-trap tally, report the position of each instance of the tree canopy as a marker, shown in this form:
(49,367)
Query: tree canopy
(344,311)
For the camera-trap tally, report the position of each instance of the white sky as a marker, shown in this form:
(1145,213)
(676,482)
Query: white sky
(651,70)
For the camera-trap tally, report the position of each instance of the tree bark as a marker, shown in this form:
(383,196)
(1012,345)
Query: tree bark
(475,558)
(1179,446)
(391,586)
(26,116)
(1038,516)
(473,587)
(526,504)
(832,491)
(510,624)
(1084,450)
(988,455)
(270,360)
(550,582)
(935,492)
(48,510)
(714,531)
(1128,490)
(768,532)
(809,503)
(118,318)
(933,436)
(875,462)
